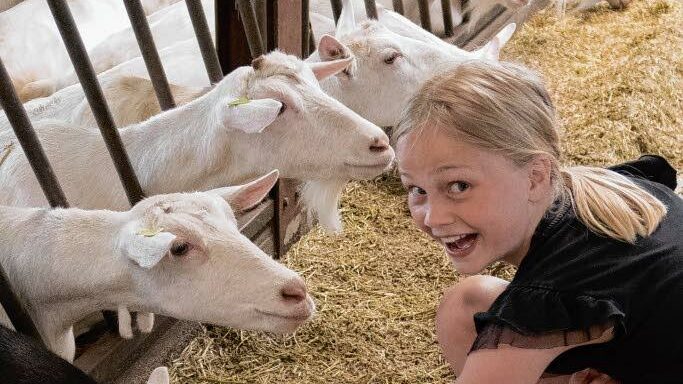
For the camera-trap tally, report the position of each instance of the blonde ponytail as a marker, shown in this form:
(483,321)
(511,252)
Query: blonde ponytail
(610,204)
(505,108)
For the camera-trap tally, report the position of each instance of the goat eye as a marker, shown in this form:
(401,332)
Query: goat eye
(283,108)
(180,249)
(392,58)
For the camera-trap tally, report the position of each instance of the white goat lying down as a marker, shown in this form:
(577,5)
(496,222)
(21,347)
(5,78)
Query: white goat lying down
(31,47)
(181,255)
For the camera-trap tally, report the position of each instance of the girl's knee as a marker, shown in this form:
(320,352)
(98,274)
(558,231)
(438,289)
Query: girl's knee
(472,294)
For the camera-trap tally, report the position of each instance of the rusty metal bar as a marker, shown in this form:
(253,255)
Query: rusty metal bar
(336,9)
(306,32)
(398,6)
(93,92)
(201,30)
(231,40)
(371,9)
(261,9)
(150,55)
(271,25)
(48,182)
(311,40)
(447,17)
(288,18)
(250,25)
(464,6)
(483,23)
(425,20)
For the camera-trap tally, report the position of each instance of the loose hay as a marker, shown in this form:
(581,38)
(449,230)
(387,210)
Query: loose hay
(616,79)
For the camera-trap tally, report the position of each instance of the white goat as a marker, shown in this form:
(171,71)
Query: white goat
(181,255)
(206,142)
(393,57)
(32,49)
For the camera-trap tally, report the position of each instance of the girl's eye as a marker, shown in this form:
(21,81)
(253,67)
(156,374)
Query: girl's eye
(416,191)
(458,187)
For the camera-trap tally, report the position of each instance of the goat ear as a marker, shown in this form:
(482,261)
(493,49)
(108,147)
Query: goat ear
(159,376)
(325,69)
(492,49)
(250,116)
(330,48)
(347,20)
(145,246)
(246,196)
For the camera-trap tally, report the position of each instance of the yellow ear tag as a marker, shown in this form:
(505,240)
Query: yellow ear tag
(238,101)
(148,232)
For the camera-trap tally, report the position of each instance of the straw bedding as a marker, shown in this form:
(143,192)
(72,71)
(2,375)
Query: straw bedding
(616,79)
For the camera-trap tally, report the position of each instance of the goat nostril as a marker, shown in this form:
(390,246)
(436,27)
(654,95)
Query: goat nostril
(293,291)
(379,145)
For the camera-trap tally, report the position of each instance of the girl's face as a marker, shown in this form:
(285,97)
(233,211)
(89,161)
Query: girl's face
(479,205)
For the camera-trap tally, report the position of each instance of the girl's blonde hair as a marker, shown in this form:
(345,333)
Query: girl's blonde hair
(505,108)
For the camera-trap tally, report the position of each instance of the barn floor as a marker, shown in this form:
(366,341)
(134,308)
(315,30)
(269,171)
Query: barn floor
(617,80)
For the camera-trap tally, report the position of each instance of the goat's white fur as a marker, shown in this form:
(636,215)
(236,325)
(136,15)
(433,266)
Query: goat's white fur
(67,263)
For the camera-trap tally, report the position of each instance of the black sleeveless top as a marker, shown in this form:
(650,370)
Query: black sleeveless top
(574,284)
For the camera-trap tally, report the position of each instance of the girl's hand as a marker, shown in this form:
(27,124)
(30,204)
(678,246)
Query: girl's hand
(591,376)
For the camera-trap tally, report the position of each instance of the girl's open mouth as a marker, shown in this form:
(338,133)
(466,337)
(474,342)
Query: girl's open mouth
(461,245)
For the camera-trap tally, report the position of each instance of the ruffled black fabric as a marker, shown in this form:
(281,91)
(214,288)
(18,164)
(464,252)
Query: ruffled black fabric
(574,285)
(539,317)
(650,167)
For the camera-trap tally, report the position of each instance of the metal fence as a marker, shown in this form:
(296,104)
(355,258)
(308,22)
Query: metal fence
(240,11)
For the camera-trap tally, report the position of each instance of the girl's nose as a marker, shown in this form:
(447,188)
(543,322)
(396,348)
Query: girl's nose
(437,215)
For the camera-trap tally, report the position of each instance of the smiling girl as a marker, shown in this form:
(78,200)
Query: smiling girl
(598,294)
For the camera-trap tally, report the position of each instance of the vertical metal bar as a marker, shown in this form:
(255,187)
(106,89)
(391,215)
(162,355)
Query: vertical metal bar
(231,41)
(447,17)
(305,29)
(93,92)
(466,11)
(138,21)
(260,9)
(48,182)
(271,25)
(289,39)
(288,31)
(425,21)
(336,9)
(398,6)
(311,40)
(250,25)
(371,9)
(201,30)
